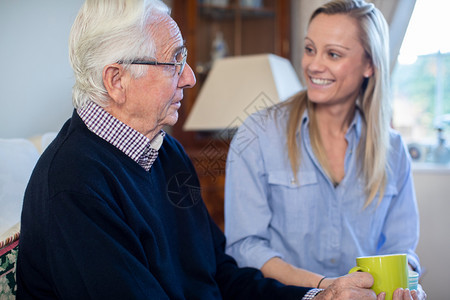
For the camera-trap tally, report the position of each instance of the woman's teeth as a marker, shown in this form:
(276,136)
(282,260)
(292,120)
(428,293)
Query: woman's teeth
(320,81)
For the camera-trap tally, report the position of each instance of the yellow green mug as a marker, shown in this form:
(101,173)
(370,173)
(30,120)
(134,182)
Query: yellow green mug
(389,272)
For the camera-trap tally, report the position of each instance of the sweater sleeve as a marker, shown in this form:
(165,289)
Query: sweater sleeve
(247,283)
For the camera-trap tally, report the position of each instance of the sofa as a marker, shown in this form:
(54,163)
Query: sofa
(18,157)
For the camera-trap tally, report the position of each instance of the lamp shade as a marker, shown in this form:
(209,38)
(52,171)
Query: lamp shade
(239,86)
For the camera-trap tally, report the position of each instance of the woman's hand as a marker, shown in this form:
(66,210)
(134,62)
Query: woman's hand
(327,282)
(401,294)
(421,295)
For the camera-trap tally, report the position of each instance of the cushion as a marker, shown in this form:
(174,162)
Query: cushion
(42,141)
(8,258)
(17,160)
(46,139)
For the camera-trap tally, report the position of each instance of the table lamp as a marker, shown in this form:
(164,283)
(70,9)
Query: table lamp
(239,86)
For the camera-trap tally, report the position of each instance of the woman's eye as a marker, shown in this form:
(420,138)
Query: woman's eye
(334,55)
(309,50)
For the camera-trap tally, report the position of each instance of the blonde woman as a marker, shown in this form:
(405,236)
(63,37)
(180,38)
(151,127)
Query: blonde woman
(322,178)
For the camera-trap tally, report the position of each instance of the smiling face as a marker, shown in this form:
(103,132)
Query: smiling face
(334,63)
(152,101)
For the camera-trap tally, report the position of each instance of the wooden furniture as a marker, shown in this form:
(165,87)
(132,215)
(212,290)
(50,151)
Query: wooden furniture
(246,30)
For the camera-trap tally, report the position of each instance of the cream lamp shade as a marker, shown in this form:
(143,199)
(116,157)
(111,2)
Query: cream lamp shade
(239,86)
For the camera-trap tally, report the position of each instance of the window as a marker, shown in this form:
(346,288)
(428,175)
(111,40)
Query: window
(419,83)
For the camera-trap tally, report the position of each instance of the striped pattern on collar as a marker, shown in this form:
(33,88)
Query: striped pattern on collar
(131,142)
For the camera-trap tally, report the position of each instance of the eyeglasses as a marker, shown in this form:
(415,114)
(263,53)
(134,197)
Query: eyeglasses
(181,61)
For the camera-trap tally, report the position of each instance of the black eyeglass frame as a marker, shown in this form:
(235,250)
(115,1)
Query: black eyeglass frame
(181,63)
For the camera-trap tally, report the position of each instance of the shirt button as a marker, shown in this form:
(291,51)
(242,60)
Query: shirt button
(333,261)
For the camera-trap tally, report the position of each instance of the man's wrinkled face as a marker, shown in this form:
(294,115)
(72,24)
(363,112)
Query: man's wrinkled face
(153,100)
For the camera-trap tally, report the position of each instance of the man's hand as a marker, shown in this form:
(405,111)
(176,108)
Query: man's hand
(351,286)
(357,286)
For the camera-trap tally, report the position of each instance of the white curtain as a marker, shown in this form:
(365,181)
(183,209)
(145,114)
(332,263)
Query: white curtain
(396,12)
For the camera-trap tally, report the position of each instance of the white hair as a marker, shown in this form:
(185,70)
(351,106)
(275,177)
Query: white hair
(105,32)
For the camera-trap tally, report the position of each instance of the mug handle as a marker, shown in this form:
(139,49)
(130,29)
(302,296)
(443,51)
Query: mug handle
(358,269)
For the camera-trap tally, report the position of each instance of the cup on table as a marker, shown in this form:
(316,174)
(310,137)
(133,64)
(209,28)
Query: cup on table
(389,272)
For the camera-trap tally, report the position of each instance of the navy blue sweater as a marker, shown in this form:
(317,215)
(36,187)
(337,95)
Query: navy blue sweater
(95,225)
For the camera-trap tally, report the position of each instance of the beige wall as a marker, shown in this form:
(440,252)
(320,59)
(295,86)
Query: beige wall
(36,79)
(433,197)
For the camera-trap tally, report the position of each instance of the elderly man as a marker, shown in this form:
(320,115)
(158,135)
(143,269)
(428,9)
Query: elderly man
(113,208)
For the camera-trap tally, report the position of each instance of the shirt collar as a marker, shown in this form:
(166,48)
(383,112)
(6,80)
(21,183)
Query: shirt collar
(131,142)
(356,123)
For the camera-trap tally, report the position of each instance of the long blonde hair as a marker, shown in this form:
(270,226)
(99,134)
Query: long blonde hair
(373,100)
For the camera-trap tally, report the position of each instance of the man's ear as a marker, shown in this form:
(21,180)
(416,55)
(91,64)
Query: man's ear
(114,82)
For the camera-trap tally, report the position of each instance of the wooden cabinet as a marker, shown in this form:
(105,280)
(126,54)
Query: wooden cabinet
(264,28)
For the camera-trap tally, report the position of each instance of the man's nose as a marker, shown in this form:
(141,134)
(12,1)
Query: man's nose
(187,77)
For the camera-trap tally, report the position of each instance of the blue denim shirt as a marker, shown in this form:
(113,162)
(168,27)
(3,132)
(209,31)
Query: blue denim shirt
(310,223)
